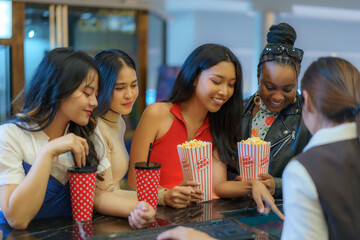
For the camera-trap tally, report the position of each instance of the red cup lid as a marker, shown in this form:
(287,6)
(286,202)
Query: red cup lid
(85,169)
(144,165)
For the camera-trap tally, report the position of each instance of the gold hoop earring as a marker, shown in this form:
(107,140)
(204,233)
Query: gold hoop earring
(294,101)
(257,99)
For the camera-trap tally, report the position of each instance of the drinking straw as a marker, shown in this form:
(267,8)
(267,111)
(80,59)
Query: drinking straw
(148,159)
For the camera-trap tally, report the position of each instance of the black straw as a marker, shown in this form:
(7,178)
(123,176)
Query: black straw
(148,160)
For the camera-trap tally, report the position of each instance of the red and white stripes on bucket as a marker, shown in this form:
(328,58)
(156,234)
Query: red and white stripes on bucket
(253,159)
(196,163)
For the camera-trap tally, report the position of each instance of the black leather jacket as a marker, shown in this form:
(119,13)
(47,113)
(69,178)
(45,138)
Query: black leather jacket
(288,136)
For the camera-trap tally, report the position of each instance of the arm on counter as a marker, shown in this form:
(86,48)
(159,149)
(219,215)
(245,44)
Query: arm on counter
(231,189)
(140,214)
(121,203)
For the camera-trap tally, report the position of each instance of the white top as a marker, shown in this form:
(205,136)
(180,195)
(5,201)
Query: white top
(304,218)
(17,145)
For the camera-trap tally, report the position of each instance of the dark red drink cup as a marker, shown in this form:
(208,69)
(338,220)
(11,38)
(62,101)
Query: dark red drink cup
(147,182)
(82,190)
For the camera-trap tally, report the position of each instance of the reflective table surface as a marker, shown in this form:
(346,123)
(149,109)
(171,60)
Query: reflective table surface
(241,209)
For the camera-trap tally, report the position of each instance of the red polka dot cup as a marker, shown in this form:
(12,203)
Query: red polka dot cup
(147,182)
(82,190)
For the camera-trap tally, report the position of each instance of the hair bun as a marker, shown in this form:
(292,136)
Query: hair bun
(281,33)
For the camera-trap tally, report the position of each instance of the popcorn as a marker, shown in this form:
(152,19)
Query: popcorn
(193,144)
(254,141)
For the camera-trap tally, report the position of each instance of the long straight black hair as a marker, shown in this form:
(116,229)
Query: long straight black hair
(110,62)
(58,75)
(225,123)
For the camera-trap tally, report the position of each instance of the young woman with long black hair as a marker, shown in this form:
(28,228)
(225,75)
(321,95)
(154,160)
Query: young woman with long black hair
(205,104)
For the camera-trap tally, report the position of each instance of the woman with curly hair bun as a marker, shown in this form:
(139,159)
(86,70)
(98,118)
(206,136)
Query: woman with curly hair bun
(273,113)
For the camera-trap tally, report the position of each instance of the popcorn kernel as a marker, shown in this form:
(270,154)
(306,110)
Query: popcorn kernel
(193,144)
(254,141)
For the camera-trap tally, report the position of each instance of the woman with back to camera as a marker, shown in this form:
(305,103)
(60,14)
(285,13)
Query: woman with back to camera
(54,129)
(118,71)
(273,113)
(321,187)
(205,104)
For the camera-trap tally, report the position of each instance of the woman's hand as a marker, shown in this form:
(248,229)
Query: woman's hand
(183,195)
(69,142)
(269,182)
(142,216)
(264,201)
(198,193)
(183,233)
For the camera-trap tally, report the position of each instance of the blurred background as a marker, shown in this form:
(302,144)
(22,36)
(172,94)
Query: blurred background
(160,34)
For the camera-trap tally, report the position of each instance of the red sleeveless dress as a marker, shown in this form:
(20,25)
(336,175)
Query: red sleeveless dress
(164,149)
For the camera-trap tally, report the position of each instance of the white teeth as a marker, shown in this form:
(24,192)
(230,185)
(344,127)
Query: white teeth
(276,103)
(218,100)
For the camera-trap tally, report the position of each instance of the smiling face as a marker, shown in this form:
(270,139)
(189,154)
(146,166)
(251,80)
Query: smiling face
(215,85)
(126,91)
(80,104)
(277,86)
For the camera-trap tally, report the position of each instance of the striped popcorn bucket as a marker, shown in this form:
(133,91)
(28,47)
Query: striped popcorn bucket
(196,165)
(253,159)
(207,212)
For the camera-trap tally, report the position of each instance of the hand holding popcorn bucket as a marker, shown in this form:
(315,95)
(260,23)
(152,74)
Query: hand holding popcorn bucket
(254,155)
(196,162)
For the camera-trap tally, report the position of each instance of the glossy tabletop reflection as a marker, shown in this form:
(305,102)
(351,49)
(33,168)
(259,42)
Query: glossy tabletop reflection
(66,228)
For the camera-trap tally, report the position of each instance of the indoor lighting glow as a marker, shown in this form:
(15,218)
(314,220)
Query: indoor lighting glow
(326,12)
(31,33)
(5,19)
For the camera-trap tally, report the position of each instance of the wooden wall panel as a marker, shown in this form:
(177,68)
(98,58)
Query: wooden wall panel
(17,52)
(142,33)
(5,42)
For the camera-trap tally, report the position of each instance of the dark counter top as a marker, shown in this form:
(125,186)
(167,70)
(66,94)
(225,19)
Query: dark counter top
(65,228)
